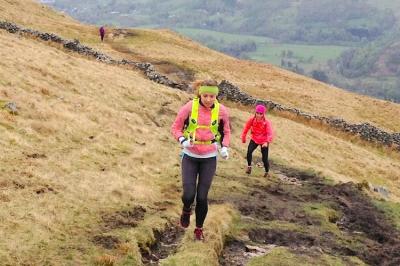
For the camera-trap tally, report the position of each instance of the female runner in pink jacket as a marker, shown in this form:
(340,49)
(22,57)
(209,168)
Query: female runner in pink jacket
(200,148)
(261,134)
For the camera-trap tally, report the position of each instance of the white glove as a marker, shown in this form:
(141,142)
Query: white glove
(185,142)
(224,153)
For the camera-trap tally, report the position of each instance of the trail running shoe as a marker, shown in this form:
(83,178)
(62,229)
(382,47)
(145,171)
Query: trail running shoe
(267,174)
(185,218)
(198,234)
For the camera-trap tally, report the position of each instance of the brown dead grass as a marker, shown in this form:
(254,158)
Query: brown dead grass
(106,260)
(95,129)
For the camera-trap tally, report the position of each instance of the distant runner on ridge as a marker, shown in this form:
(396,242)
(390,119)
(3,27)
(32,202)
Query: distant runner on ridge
(102,32)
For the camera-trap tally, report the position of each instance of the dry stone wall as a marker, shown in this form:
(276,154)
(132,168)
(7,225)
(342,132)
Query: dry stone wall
(76,46)
(227,90)
(365,130)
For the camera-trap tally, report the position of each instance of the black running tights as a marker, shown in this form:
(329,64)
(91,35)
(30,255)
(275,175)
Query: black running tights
(197,176)
(264,151)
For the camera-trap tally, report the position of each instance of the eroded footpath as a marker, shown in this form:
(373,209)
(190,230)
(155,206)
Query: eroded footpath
(298,217)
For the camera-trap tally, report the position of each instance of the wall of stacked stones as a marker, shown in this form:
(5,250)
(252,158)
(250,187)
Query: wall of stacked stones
(76,46)
(227,90)
(365,130)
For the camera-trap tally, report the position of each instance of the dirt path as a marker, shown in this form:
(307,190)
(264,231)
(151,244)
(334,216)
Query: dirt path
(165,245)
(337,220)
(166,240)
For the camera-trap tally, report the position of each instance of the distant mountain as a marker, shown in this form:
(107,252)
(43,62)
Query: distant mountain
(373,69)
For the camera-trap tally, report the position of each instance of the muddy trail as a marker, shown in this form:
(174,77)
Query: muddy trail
(166,240)
(166,244)
(310,217)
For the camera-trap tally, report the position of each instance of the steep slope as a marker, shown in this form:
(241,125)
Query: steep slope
(84,134)
(88,160)
(31,13)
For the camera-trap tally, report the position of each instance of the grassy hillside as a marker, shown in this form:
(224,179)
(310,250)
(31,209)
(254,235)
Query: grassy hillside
(386,4)
(90,173)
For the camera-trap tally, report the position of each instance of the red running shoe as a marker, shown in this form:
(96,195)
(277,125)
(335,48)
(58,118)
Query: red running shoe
(198,234)
(185,218)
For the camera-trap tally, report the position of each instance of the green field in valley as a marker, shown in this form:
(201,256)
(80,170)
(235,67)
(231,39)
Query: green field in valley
(226,37)
(303,54)
(267,50)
